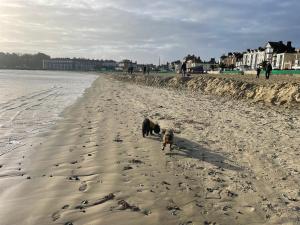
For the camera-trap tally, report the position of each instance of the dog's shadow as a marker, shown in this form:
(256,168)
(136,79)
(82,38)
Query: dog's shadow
(186,148)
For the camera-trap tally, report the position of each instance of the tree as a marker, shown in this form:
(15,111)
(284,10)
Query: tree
(222,66)
(25,61)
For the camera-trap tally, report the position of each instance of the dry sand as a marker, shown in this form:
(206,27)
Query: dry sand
(233,163)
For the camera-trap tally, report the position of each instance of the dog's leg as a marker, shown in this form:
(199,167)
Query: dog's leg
(164,145)
(170,146)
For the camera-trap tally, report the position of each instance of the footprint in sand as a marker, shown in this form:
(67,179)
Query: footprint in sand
(83,187)
(55,216)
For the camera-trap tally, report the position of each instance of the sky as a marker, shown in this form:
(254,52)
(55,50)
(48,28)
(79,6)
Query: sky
(145,30)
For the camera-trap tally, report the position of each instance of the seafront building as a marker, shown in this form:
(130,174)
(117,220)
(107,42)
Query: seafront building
(67,64)
(125,64)
(253,58)
(232,59)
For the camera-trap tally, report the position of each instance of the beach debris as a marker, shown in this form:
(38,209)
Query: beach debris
(127,168)
(146,212)
(199,205)
(28,178)
(186,223)
(74,162)
(231,194)
(117,139)
(104,199)
(136,161)
(226,207)
(165,183)
(68,223)
(85,204)
(296,208)
(65,207)
(289,198)
(209,223)
(73,177)
(173,208)
(123,205)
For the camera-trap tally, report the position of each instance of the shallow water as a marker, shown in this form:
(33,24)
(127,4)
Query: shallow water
(31,102)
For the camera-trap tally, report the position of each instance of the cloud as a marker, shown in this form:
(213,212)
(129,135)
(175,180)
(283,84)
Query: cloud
(144,30)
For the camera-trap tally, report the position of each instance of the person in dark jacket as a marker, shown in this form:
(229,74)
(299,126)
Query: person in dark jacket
(183,69)
(258,72)
(268,70)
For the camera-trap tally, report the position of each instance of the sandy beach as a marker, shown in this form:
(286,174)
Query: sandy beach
(234,162)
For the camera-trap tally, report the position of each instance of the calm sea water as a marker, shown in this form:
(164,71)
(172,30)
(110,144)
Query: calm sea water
(31,102)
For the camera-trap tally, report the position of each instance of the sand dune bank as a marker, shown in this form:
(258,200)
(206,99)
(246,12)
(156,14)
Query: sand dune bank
(281,92)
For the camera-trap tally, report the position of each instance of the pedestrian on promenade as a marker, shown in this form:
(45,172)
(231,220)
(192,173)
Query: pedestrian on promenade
(183,69)
(144,69)
(268,70)
(148,70)
(258,72)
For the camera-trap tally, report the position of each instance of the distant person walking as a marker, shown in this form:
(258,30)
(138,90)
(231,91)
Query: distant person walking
(258,72)
(268,70)
(144,70)
(183,69)
(130,69)
(148,70)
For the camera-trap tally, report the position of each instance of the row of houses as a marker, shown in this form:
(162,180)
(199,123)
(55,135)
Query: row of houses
(280,55)
(193,63)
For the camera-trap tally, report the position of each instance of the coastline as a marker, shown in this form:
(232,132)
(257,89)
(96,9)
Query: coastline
(94,167)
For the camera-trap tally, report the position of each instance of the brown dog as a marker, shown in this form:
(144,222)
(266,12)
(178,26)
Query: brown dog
(168,138)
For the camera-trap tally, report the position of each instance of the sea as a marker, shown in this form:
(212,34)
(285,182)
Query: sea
(31,102)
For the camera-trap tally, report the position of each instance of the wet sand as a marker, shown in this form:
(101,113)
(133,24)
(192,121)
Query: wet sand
(232,163)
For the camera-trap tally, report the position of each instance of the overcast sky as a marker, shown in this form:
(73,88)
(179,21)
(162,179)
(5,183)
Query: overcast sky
(145,30)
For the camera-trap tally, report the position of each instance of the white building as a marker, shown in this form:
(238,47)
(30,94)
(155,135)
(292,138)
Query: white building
(253,58)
